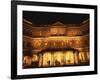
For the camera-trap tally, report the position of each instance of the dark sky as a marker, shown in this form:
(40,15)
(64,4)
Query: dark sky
(52,17)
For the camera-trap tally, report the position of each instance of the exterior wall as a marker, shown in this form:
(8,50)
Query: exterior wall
(39,38)
(45,31)
(58,42)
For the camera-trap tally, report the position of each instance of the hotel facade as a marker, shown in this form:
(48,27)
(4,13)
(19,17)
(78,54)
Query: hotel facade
(54,45)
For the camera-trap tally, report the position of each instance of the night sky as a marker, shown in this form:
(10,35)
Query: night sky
(52,17)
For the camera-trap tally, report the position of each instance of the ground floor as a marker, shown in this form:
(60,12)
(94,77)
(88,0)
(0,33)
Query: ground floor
(57,59)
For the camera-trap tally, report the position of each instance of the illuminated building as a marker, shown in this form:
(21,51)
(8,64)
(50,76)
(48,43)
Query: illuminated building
(55,44)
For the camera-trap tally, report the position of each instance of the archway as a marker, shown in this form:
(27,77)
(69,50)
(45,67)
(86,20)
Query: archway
(59,57)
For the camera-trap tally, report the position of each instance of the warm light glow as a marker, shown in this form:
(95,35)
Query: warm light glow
(69,57)
(58,57)
(34,58)
(47,59)
(27,60)
(82,56)
(55,45)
